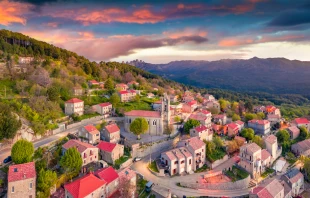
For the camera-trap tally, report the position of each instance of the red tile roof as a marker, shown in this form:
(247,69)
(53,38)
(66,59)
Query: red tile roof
(107,174)
(270,108)
(84,186)
(294,130)
(232,126)
(91,129)
(123,92)
(205,112)
(106,146)
(105,104)
(260,122)
(220,116)
(239,122)
(142,113)
(94,82)
(271,139)
(21,171)
(251,148)
(74,100)
(81,146)
(197,117)
(121,85)
(301,120)
(265,155)
(112,128)
(195,143)
(191,103)
(127,173)
(201,128)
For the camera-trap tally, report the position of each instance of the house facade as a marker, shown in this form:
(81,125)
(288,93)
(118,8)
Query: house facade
(111,133)
(301,148)
(270,188)
(232,129)
(89,153)
(111,177)
(127,96)
(77,91)
(90,133)
(299,122)
(110,152)
(260,126)
(74,106)
(92,83)
(104,108)
(220,119)
(121,87)
(203,132)
(295,179)
(22,181)
(271,143)
(294,131)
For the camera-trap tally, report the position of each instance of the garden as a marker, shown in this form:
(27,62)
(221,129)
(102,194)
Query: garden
(236,174)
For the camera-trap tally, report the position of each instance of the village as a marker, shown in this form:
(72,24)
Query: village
(186,145)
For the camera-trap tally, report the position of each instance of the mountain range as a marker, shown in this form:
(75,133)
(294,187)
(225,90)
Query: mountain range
(271,75)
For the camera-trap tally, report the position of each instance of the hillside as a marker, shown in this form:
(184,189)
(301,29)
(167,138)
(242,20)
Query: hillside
(272,75)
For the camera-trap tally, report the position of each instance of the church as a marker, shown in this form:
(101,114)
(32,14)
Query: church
(157,120)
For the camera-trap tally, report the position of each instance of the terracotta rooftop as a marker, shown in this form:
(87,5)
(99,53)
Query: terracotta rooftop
(74,100)
(205,112)
(107,174)
(303,145)
(84,186)
(105,104)
(91,129)
(271,139)
(142,113)
(185,152)
(200,128)
(294,175)
(265,155)
(197,117)
(239,122)
(195,143)
(294,129)
(93,82)
(270,108)
(21,171)
(251,148)
(260,122)
(191,103)
(301,121)
(112,128)
(106,146)
(81,146)
(220,116)
(269,189)
(232,125)
(170,155)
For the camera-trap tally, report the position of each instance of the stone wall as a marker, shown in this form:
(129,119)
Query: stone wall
(212,174)
(126,164)
(240,184)
(217,162)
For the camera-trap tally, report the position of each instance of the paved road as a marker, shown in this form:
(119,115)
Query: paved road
(170,182)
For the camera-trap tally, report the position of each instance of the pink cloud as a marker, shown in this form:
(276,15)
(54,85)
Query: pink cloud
(185,32)
(12,12)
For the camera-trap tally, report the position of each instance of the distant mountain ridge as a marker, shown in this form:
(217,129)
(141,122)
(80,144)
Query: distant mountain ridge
(271,75)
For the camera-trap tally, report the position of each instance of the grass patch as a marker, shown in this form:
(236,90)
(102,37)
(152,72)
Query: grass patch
(85,116)
(174,103)
(93,100)
(267,172)
(129,106)
(216,155)
(153,167)
(236,174)
(5,169)
(120,161)
(141,186)
(202,169)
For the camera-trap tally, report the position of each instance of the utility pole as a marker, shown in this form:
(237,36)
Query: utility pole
(151,150)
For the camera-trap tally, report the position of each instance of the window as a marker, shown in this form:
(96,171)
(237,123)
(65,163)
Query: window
(30,185)
(182,162)
(13,190)
(176,162)
(154,122)
(190,161)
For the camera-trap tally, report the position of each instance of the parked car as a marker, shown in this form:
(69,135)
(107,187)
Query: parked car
(136,159)
(7,160)
(148,186)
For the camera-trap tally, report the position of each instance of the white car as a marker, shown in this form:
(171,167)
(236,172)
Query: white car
(136,159)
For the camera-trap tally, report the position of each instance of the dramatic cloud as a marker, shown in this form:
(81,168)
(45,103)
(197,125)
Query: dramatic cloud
(291,18)
(12,12)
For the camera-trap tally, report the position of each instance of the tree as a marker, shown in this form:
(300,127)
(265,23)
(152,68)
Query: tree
(177,119)
(71,162)
(214,110)
(53,93)
(258,140)
(248,105)
(247,133)
(114,99)
(210,147)
(250,116)
(9,123)
(283,136)
(41,77)
(218,142)
(126,188)
(190,124)
(139,126)
(168,129)
(307,166)
(137,98)
(260,115)
(22,85)
(46,180)
(303,133)
(232,146)
(235,117)
(22,152)
(109,84)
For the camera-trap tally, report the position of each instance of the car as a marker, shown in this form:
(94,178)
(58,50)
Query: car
(136,159)
(7,160)
(148,186)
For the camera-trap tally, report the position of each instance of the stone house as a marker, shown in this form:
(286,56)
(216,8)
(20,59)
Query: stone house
(22,180)
(25,59)
(128,174)
(260,126)
(213,104)
(111,133)
(74,106)
(104,108)
(295,179)
(294,132)
(233,129)
(301,148)
(86,186)
(174,98)
(110,152)
(111,177)
(89,153)
(150,95)
(270,188)
(258,109)
(299,122)
(209,97)
(254,160)
(92,83)
(90,133)
(272,110)
(271,143)
(132,83)
(127,96)
(220,119)
(190,107)
(77,91)
(202,132)
(203,119)
(121,87)
(240,124)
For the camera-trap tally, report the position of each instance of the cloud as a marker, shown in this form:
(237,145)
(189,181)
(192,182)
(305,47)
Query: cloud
(185,32)
(12,12)
(291,18)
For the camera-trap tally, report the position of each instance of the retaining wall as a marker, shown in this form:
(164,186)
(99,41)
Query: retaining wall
(217,162)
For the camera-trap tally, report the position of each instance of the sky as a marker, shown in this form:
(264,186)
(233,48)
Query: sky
(160,31)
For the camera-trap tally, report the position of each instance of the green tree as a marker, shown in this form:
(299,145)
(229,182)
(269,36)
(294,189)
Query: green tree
(283,136)
(235,117)
(114,99)
(46,180)
(248,105)
(139,126)
(247,133)
(53,93)
(177,119)
(71,162)
(250,116)
(218,142)
(109,84)
(304,134)
(137,98)
(22,152)
(9,123)
(190,124)
(307,166)
(210,147)
(260,115)
(258,140)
